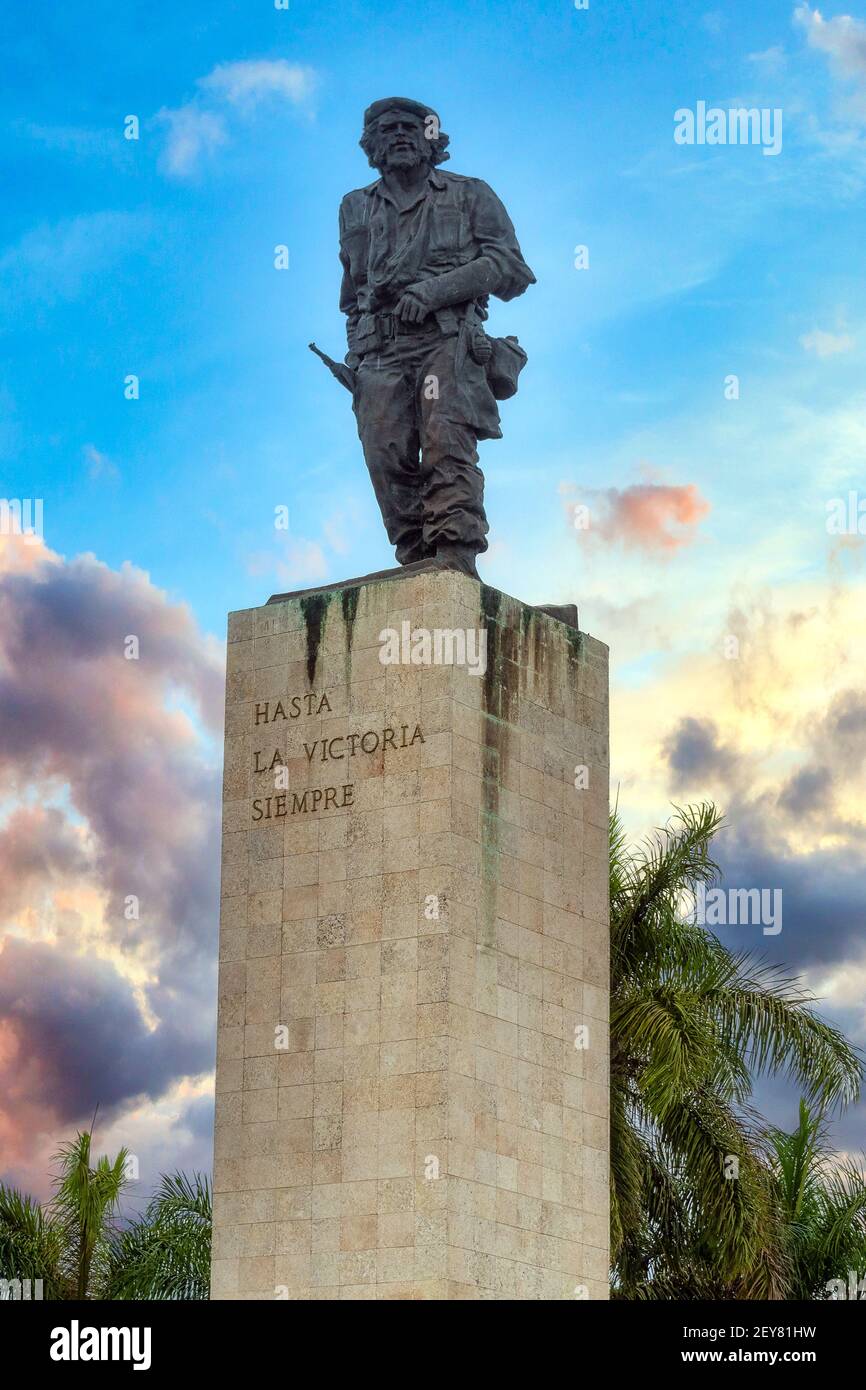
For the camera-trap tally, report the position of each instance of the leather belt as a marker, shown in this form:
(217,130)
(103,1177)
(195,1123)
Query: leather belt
(390,326)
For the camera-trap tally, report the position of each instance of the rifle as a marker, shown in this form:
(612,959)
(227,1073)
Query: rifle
(344,374)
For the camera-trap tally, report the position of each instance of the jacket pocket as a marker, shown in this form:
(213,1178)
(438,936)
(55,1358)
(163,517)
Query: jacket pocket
(353,244)
(446,231)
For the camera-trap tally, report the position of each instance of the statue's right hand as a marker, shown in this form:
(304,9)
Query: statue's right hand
(411,308)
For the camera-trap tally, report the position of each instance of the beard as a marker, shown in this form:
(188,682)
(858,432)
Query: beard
(404,158)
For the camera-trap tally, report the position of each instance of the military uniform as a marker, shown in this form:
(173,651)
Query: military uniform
(421,399)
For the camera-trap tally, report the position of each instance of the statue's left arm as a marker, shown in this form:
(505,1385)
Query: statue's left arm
(498,268)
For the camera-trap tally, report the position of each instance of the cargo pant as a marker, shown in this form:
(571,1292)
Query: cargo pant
(421,456)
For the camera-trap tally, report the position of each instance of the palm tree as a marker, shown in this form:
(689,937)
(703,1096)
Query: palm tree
(823,1204)
(65,1244)
(31,1244)
(693,1206)
(166,1254)
(819,1209)
(84,1206)
(76,1246)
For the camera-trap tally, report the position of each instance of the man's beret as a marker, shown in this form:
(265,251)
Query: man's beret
(379,108)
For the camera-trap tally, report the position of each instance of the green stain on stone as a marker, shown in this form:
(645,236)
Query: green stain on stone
(349,603)
(575,642)
(314,609)
(349,600)
(497,705)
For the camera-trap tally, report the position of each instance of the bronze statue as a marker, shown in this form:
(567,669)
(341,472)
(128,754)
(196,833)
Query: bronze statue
(421,252)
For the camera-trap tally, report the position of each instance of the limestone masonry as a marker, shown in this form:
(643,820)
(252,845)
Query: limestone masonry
(412,1059)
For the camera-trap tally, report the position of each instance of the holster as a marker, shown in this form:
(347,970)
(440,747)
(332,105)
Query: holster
(507,361)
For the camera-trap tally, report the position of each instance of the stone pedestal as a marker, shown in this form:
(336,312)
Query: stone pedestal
(412,1073)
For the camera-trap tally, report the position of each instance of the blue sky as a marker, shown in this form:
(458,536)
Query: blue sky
(701,262)
(155,257)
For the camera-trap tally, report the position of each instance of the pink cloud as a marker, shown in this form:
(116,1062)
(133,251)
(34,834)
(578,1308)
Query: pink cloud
(652,517)
(107,767)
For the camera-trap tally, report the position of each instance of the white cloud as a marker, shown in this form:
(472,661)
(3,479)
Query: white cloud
(191,133)
(247,84)
(843,39)
(201,126)
(305,562)
(300,562)
(99,465)
(772,59)
(826,344)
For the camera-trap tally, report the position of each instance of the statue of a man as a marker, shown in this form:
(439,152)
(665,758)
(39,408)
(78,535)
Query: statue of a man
(421,252)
